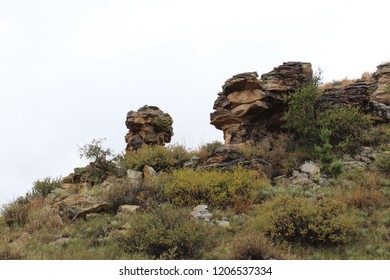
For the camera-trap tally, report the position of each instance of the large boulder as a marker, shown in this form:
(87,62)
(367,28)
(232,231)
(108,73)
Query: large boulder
(248,106)
(148,125)
(79,205)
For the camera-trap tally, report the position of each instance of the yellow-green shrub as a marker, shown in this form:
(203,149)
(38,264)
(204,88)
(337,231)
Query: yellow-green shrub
(158,157)
(164,233)
(298,219)
(213,187)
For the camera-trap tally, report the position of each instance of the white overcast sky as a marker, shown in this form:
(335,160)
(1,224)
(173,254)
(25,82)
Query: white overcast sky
(70,70)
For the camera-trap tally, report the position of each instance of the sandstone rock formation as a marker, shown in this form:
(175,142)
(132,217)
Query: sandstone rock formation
(380,99)
(248,107)
(79,205)
(371,95)
(148,125)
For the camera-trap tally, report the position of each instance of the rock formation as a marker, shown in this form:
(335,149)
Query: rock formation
(148,125)
(380,98)
(248,107)
(372,95)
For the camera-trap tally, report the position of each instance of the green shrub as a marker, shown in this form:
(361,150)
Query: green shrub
(301,114)
(156,156)
(383,164)
(46,186)
(253,246)
(336,168)
(324,152)
(213,187)
(298,219)
(120,191)
(164,233)
(349,126)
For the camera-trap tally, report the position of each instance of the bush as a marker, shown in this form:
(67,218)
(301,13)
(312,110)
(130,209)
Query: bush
(383,164)
(301,114)
(16,213)
(213,187)
(46,186)
(103,162)
(120,191)
(164,233)
(298,219)
(324,152)
(336,168)
(348,126)
(253,246)
(156,156)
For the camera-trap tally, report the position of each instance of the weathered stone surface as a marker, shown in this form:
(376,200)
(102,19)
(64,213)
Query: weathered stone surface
(356,94)
(127,209)
(135,177)
(382,77)
(371,95)
(78,205)
(148,125)
(193,162)
(149,171)
(312,171)
(201,212)
(247,107)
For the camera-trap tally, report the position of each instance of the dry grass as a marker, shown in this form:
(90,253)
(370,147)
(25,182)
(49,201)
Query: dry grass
(366,76)
(254,246)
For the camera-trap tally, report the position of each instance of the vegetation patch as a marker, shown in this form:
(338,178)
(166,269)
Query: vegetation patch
(166,232)
(213,187)
(302,220)
(156,156)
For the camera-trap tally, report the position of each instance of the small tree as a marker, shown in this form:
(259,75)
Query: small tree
(301,114)
(103,159)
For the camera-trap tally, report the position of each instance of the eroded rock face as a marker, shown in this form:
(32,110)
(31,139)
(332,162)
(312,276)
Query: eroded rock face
(371,95)
(380,99)
(79,205)
(148,125)
(248,106)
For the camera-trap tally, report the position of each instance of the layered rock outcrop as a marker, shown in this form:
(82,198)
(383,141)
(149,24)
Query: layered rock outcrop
(380,99)
(149,125)
(248,106)
(371,95)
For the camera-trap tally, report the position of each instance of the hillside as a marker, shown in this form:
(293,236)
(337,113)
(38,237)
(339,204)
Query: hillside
(303,173)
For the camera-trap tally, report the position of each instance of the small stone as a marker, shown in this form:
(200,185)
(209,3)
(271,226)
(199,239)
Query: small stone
(128,209)
(149,171)
(224,224)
